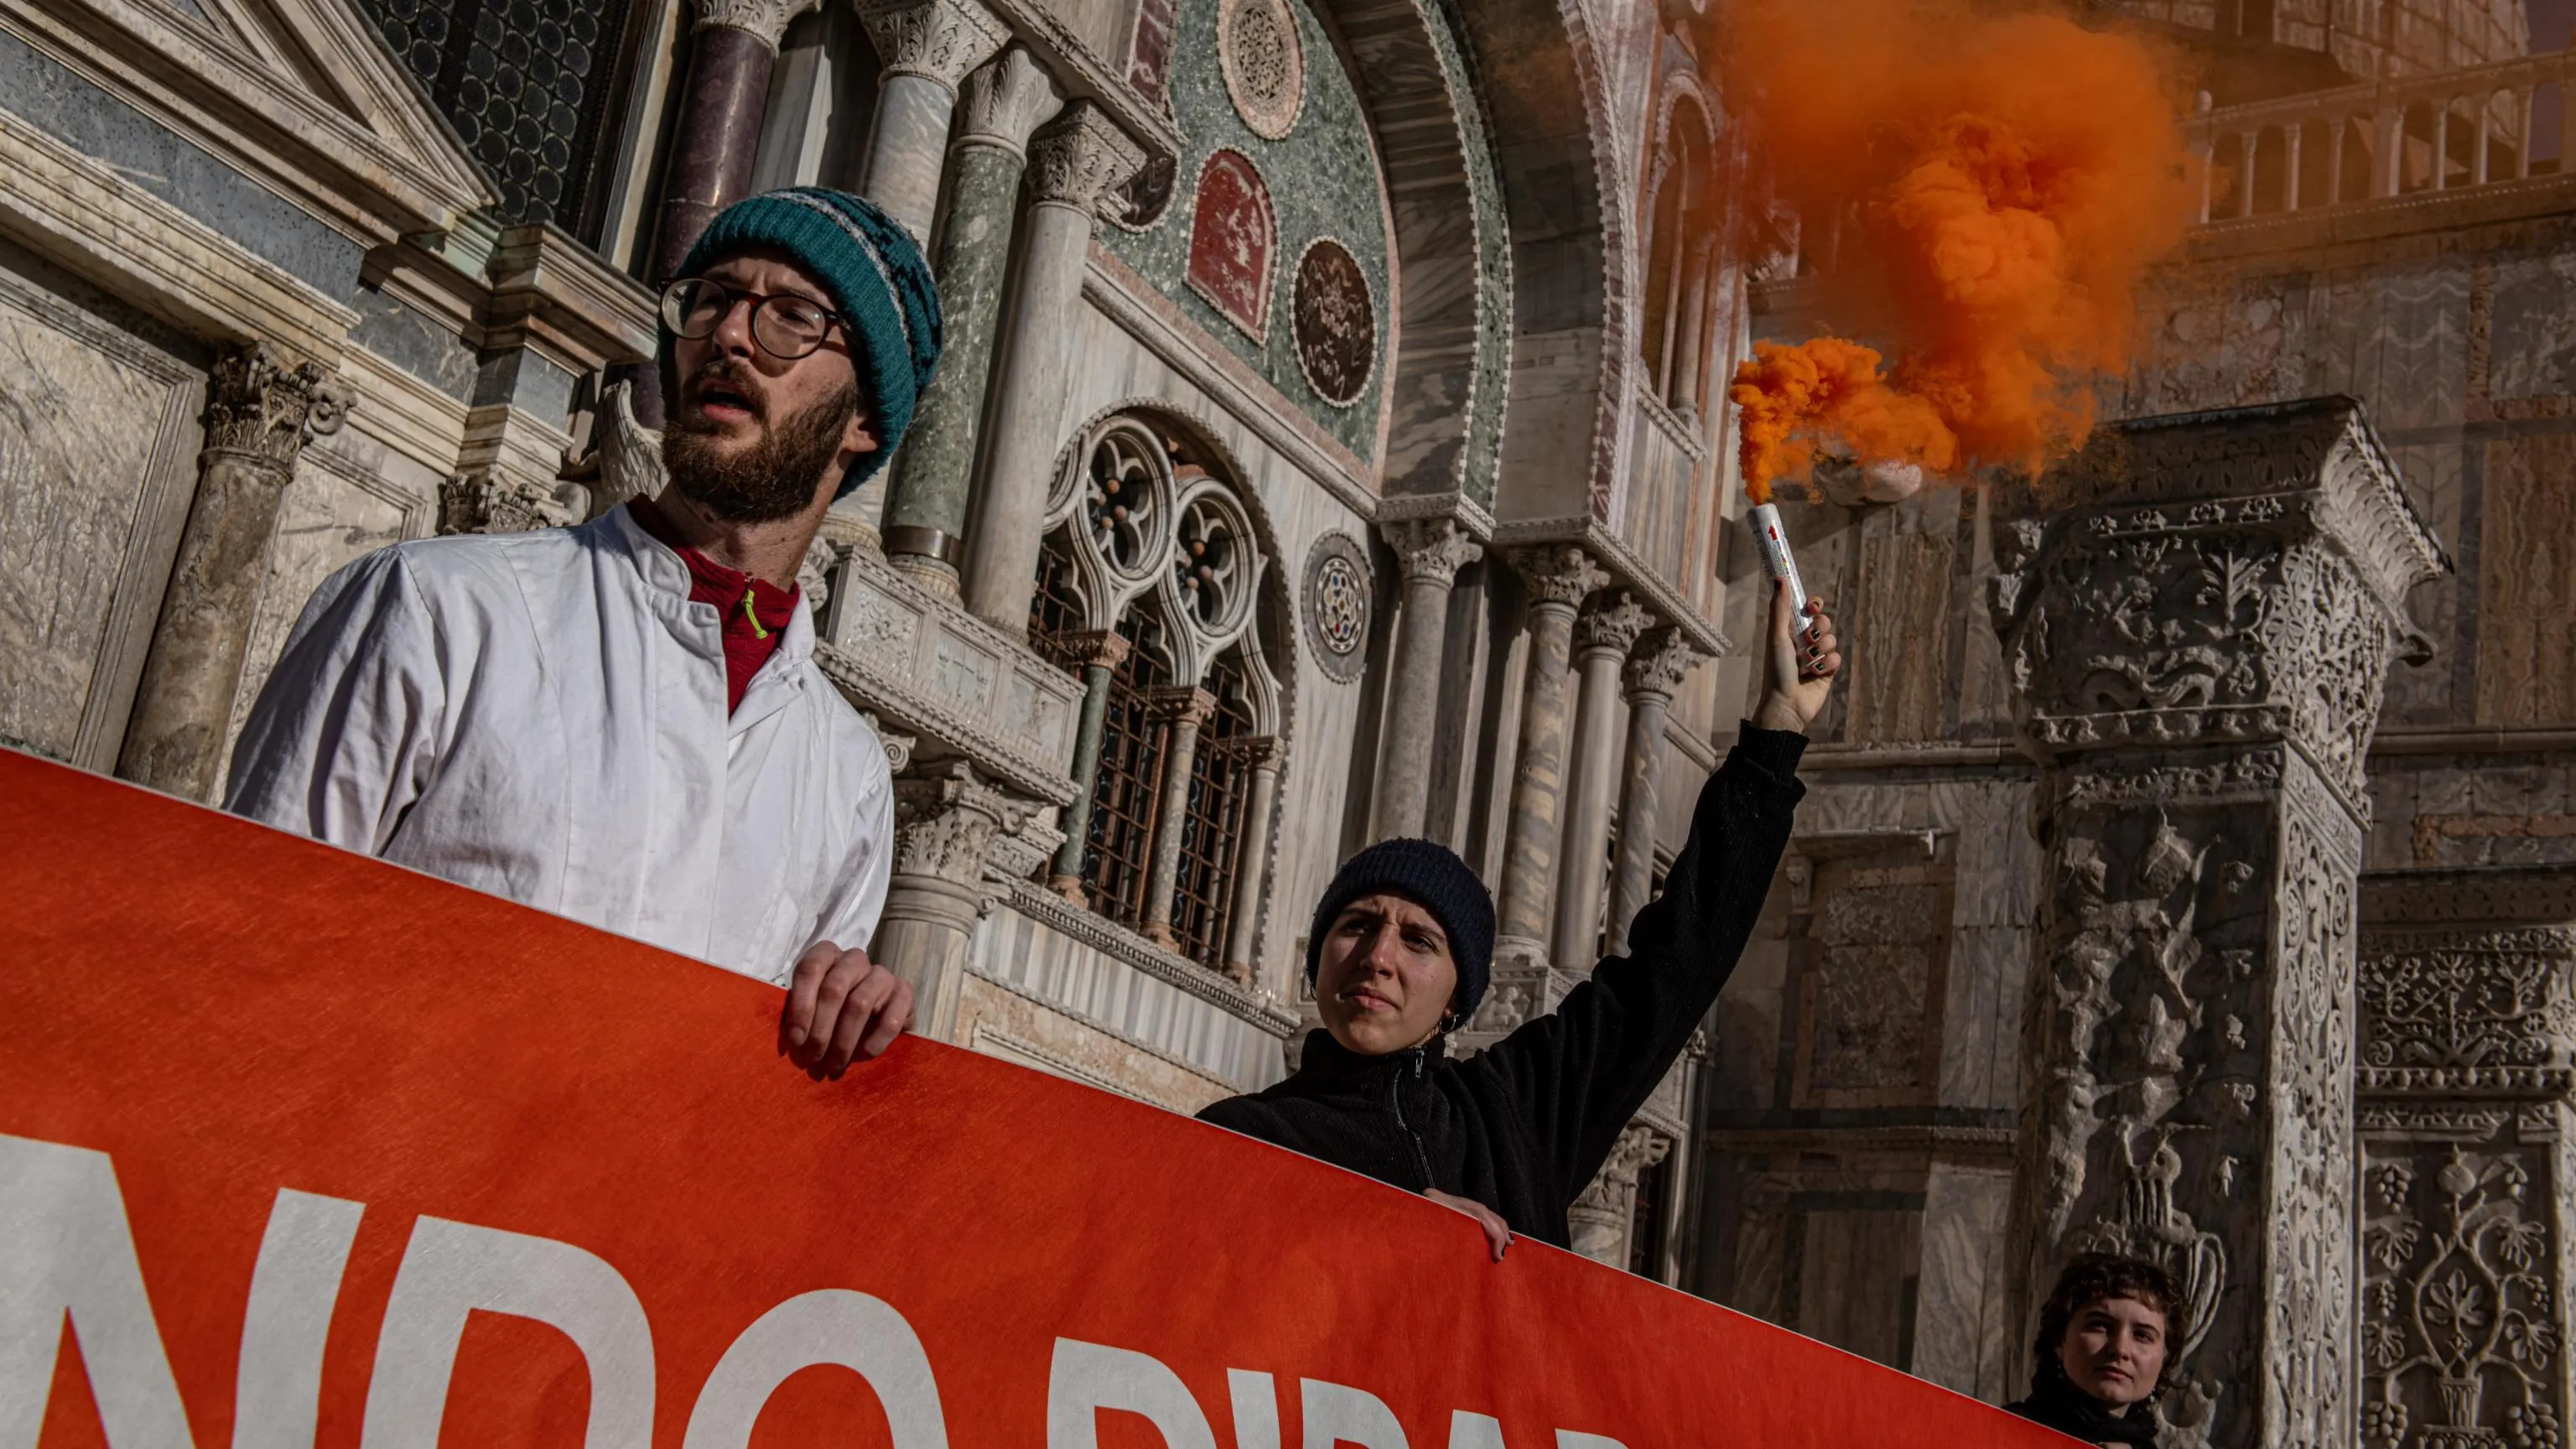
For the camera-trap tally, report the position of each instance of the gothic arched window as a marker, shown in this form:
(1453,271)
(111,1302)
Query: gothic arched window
(1148,590)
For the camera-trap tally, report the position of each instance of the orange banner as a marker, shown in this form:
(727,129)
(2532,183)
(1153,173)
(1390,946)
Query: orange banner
(297,1148)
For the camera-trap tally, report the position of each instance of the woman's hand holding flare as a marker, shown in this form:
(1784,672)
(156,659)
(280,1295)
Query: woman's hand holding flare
(1799,668)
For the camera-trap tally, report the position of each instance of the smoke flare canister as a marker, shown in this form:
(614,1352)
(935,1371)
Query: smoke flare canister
(1775,557)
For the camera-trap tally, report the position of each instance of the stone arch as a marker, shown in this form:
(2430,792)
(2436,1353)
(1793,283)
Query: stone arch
(1452,286)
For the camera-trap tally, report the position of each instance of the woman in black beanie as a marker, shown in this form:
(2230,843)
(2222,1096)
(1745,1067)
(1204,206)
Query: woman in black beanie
(2101,1350)
(1400,953)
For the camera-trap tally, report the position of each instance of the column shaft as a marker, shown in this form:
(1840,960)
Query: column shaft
(1430,552)
(1558,579)
(1684,398)
(2190,1041)
(931,487)
(1100,654)
(928,46)
(1663,657)
(1605,636)
(1243,926)
(1073,162)
(1186,709)
(260,411)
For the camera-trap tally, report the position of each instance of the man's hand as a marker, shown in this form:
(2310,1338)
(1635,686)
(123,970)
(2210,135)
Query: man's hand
(841,1007)
(1800,671)
(1498,1234)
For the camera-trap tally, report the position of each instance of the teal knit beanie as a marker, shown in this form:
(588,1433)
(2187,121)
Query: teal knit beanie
(879,283)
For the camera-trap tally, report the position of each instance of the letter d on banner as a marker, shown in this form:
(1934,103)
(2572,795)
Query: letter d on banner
(1089,1377)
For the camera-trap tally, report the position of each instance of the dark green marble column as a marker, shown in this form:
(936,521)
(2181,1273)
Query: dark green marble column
(926,502)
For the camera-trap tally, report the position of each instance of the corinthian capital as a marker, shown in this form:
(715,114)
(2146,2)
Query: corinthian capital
(1657,665)
(944,824)
(1006,99)
(1431,548)
(262,405)
(1613,627)
(1185,705)
(939,40)
(1558,574)
(1080,158)
(767,19)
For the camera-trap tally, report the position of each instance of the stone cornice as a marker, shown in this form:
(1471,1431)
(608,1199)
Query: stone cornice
(2488,895)
(1168,967)
(547,286)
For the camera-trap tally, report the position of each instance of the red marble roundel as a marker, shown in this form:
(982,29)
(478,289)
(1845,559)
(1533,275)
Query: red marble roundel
(1335,327)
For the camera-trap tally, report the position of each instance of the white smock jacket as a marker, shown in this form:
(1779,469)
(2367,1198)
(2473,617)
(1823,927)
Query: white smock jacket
(542,716)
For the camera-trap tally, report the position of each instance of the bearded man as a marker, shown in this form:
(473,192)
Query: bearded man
(622,722)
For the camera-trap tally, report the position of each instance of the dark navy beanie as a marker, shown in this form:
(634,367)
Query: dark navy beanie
(879,283)
(1431,873)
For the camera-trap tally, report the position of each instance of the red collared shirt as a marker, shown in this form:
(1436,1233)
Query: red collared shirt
(754,611)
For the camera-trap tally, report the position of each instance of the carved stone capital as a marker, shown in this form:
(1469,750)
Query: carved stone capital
(1613,626)
(945,823)
(1638,1148)
(1431,548)
(265,408)
(1082,157)
(1657,665)
(1007,98)
(490,503)
(1092,648)
(767,19)
(1560,574)
(1188,705)
(2221,578)
(939,40)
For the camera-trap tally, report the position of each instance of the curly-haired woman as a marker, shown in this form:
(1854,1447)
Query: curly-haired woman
(2101,1350)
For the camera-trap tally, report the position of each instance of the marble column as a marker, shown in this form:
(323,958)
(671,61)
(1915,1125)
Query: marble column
(1558,579)
(1182,711)
(1071,164)
(1602,640)
(1243,920)
(2199,640)
(945,824)
(1098,653)
(1684,397)
(928,46)
(1429,552)
(261,409)
(1661,660)
(713,144)
(1600,1220)
(925,506)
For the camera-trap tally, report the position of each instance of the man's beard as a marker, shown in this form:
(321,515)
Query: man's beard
(776,475)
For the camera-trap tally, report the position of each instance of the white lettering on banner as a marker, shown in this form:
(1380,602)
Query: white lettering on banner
(277,1391)
(830,1325)
(450,1269)
(65,1247)
(1334,1413)
(1256,1409)
(1088,1377)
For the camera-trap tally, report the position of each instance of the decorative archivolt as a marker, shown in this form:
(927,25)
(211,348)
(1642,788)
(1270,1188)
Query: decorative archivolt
(1141,532)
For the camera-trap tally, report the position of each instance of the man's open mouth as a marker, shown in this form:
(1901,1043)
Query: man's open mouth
(723,402)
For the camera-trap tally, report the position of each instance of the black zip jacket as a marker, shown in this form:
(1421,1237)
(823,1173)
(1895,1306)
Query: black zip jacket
(1523,1126)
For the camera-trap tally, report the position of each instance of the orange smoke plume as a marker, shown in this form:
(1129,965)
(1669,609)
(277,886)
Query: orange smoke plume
(2004,178)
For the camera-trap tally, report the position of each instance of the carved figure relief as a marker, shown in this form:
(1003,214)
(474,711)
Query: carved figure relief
(1264,62)
(1233,235)
(1334,321)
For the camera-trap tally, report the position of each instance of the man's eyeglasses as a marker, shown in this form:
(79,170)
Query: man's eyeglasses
(785,325)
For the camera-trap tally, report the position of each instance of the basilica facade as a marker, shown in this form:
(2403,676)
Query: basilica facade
(1331,446)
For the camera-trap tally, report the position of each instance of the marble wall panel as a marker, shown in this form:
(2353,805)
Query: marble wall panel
(1899,650)
(335,512)
(98,441)
(2398,340)
(2219,341)
(2532,334)
(1000,1022)
(2526,669)
(1847,1295)
(1149,1016)
(1961,1325)
(1748,1025)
